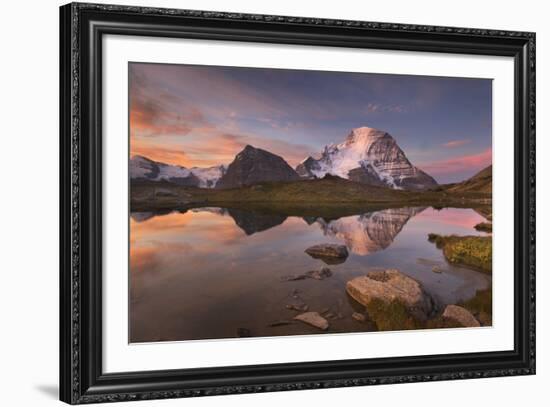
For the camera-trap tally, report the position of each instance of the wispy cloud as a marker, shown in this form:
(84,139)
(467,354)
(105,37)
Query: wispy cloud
(222,147)
(208,147)
(456,143)
(384,108)
(167,154)
(204,115)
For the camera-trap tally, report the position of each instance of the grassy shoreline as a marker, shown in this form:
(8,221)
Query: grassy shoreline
(474,252)
(303,197)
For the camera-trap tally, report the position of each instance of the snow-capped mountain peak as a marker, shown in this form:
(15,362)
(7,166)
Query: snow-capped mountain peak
(142,168)
(209,176)
(362,138)
(367,155)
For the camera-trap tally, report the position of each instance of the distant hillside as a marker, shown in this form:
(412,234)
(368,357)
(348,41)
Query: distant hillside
(481,182)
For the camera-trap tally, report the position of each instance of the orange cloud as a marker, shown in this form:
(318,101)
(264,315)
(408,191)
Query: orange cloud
(141,123)
(456,143)
(208,146)
(155,152)
(157,112)
(459,164)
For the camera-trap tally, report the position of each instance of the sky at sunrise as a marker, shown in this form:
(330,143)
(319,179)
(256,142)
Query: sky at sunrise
(204,115)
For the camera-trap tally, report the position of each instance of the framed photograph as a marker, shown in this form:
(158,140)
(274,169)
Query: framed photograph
(255,203)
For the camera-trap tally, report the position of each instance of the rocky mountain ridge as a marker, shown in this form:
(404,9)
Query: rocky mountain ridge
(367,156)
(253,165)
(143,168)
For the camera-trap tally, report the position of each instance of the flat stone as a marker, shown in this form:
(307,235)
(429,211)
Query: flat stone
(313,319)
(358,317)
(460,315)
(297,307)
(389,285)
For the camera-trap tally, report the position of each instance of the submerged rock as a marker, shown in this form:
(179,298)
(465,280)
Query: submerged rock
(437,269)
(319,274)
(297,307)
(280,323)
(313,319)
(325,272)
(294,277)
(460,315)
(327,250)
(388,286)
(358,317)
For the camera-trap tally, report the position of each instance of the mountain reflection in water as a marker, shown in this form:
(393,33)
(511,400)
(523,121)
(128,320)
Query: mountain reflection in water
(369,232)
(362,234)
(214,272)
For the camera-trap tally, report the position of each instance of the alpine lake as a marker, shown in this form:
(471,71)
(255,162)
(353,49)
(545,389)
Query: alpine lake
(212,272)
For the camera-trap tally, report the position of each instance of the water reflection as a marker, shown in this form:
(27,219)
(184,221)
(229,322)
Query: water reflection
(214,272)
(369,232)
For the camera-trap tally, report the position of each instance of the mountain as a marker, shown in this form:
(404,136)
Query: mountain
(142,168)
(480,182)
(368,156)
(209,176)
(253,165)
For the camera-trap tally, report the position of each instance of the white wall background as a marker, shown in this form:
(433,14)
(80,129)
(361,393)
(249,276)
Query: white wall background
(29,199)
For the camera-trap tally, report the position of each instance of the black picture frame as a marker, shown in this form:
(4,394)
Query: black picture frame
(82,27)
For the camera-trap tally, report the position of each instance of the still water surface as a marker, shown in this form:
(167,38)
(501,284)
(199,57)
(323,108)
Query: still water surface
(219,273)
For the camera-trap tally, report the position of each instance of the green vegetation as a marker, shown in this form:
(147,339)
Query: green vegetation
(471,251)
(481,182)
(391,316)
(296,197)
(481,306)
(484,227)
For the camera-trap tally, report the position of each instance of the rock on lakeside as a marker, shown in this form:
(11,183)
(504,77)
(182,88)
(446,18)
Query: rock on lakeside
(359,317)
(390,285)
(313,319)
(460,315)
(328,250)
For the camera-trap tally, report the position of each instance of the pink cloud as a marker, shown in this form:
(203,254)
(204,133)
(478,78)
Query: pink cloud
(456,143)
(459,164)
(221,147)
